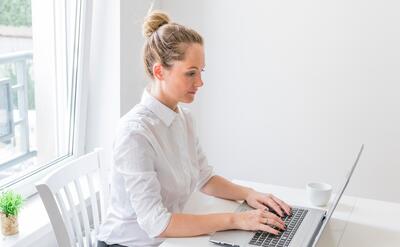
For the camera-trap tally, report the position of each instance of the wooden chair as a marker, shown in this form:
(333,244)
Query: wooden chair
(75,198)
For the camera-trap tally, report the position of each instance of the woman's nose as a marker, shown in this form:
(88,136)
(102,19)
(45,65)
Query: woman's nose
(199,82)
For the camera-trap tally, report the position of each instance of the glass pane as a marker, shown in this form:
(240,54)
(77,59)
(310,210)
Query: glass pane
(35,91)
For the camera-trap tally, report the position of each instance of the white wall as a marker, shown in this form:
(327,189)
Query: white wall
(292,88)
(133,78)
(103,103)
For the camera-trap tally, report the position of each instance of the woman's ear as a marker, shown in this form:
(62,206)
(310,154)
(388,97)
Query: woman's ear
(158,71)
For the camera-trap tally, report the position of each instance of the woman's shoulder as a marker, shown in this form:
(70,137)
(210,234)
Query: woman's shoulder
(136,119)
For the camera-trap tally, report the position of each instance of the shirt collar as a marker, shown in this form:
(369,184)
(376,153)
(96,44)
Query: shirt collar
(162,111)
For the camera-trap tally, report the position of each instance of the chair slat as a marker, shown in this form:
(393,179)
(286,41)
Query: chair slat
(93,201)
(75,216)
(55,216)
(66,216)
(84,213)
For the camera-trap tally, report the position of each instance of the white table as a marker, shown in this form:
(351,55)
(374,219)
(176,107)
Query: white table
(355,222)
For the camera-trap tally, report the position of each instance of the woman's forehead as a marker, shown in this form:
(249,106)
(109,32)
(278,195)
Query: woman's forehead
(194,57)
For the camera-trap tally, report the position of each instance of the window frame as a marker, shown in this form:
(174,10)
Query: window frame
(80,77)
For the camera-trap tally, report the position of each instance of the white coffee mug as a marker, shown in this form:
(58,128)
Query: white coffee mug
(319,193)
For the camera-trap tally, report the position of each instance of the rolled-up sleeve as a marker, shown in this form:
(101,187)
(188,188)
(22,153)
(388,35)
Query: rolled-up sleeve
(134,159)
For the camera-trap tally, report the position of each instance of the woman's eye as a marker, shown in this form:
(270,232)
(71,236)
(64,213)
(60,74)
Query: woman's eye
(191,73)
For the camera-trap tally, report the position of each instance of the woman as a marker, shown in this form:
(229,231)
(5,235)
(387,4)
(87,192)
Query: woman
(158,161)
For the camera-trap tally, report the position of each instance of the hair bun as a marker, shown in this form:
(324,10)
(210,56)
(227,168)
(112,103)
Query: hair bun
(154,21)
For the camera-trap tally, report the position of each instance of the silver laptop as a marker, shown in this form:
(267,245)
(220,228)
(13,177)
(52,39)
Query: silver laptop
(304,225)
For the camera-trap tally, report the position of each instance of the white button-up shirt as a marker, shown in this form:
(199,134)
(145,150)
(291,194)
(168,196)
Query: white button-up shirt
(158,163)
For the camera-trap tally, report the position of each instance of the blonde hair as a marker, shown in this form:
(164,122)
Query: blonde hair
(166,41)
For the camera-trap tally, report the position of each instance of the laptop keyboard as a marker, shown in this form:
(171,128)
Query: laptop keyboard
(292,224)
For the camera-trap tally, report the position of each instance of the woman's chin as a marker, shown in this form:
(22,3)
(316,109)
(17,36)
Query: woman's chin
(188,99)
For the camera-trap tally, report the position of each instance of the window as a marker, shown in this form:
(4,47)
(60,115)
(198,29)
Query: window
(42,59)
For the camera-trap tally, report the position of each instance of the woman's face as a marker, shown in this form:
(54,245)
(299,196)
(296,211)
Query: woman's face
(181,82)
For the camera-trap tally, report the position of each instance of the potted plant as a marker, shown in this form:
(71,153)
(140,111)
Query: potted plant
(10,205)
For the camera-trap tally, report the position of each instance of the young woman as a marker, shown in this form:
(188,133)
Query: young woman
(158,161)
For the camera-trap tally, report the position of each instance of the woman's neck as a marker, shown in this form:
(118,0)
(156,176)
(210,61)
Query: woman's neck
(156,91)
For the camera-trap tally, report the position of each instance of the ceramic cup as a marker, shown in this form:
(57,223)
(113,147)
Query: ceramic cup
(319,193)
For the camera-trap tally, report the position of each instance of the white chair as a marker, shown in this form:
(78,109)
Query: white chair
(75,198)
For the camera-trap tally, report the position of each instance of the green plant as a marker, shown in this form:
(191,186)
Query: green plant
(10,203)
(16,13)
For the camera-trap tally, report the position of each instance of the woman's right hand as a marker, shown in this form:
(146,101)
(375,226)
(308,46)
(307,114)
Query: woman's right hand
(258,220)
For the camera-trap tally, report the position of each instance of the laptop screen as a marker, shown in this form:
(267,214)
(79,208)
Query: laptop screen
(338,196)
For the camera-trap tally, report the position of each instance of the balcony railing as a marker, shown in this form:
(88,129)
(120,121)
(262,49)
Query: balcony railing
(8,122)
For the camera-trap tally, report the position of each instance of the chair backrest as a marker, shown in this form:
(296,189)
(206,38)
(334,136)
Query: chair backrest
(75,197)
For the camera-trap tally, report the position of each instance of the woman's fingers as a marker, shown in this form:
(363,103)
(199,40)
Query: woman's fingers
(254,218)
(261,206)
(272,204)
(273,220)
(267,228)
(275,217)
(282,204)
(274,223)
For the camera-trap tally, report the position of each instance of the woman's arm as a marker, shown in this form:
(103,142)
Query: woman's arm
(187,225)
(184,225)
(220,187)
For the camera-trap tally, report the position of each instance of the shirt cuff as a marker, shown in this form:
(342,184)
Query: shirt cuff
(160,226)
(205,179)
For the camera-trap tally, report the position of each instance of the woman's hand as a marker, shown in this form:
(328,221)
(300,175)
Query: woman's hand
(266,202)
(258,220)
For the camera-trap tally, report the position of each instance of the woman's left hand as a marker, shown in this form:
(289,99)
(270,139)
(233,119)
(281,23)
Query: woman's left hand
(267,201)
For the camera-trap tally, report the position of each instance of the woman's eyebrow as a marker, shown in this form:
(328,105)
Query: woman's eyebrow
(194,67)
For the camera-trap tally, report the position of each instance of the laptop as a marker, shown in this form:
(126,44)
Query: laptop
(304,226)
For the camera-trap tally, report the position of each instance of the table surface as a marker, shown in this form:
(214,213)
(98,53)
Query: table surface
(355,222)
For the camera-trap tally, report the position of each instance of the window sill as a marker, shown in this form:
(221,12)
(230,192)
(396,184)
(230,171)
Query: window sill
(34,227)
